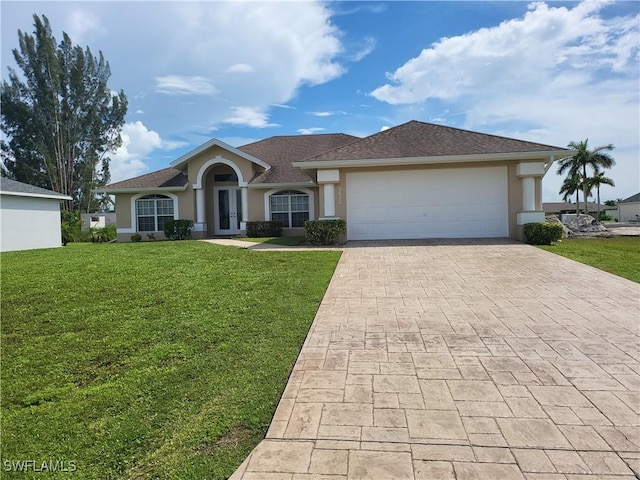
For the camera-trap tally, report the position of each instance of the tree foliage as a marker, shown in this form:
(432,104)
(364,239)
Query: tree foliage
(60,117)
(583,158)
(596,181)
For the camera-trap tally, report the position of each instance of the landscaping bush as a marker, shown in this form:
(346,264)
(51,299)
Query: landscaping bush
(604,217)
(542,233)
(71,225)
(264,229)
(101,235)
(136,237)
(178,229)
(324,232)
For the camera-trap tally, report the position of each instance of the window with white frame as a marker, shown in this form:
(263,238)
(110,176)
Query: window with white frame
(291,207)
(153,212)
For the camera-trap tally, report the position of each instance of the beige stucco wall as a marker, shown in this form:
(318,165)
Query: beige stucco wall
(247,168)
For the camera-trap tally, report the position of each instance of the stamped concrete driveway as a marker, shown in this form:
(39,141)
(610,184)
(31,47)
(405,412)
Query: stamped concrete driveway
(462,360)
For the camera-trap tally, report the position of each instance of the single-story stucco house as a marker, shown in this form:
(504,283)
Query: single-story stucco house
(416,180)
(29,216)
(629,209)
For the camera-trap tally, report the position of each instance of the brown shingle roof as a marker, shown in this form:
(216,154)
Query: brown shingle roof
(419,139)
(280,151)
(167,177)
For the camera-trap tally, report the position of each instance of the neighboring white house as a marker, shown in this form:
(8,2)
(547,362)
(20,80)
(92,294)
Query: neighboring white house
(29,216)
(630,208)
(98,220)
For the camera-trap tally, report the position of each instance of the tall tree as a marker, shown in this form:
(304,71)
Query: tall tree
(583,158)
(60,117)
(571,185)
(597,180)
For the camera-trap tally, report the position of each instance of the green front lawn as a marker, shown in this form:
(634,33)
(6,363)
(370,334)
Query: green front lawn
(286,241)
(150,360)
(619,255)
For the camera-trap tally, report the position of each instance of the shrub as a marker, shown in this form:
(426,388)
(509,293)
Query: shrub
(604,217)
(542,233)
(178,229)
(324,232)
(71,225)
(264,229)
(136,237)
(106,234)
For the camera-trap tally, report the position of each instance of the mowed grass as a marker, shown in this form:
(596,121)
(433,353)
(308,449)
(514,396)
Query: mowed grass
(286,241)
(150,360)
(618,255)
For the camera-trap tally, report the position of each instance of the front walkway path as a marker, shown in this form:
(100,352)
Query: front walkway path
(466,361)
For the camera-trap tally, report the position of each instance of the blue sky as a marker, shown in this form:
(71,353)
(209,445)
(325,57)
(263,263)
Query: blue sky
(241,71)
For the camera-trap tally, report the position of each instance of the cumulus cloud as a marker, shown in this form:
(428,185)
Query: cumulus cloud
(249,117)
(310,131)
(184,85)
(554,75)
(137,142)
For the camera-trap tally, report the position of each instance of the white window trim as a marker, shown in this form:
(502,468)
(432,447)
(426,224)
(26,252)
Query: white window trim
(133,228)
(267,204)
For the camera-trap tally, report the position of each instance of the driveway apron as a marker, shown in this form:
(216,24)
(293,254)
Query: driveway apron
(462,360)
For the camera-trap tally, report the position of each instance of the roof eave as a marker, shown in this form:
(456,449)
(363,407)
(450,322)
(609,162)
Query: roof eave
(382,162)
(36,195)
(143,189)
(212,143)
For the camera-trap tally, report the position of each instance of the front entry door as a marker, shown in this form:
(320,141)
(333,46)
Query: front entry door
(227,203)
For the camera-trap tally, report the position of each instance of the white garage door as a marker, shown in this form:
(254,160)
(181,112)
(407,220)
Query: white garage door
(442,203)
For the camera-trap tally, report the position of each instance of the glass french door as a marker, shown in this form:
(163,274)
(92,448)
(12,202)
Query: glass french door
(227,202)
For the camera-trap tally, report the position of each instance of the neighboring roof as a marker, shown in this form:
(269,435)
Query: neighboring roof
(632,198)
(281,151)
(418,139)
(165,179)
(562,206)
(13,187)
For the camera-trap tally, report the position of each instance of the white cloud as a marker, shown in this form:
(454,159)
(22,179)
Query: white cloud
(240,68)
(184,85)
(327,114)
(137,142)
(554,75)
(250,117)
(279,105)
(310,131)
(384,127)
(367,46)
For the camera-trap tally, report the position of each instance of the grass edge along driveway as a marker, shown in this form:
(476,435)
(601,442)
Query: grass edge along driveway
(150,360)
(617,255)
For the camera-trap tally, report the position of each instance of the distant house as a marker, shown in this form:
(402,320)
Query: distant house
(567,211)
(629,208)
(29,216)
(97,220)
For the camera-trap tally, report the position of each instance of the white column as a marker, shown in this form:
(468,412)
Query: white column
(244,191)
(329,200)
(528,194)
(200,205)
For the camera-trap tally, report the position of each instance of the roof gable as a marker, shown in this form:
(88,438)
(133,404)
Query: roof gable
(213,143)
(419,139)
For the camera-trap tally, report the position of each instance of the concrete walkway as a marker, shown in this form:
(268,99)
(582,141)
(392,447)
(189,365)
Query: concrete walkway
(462,360)
(230,242)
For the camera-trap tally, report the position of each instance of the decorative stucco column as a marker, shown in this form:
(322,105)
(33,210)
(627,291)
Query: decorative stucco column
(531,174)
(328,178)
(244,192)
(200,225)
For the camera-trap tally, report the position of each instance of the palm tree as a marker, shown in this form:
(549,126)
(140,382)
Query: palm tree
(597,180)
(571,185)
(583,158)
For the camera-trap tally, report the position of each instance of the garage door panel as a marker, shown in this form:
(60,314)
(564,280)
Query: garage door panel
(454,203)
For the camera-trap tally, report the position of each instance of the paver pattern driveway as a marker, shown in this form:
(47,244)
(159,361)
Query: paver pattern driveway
(465,360)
